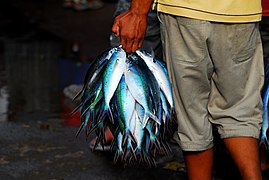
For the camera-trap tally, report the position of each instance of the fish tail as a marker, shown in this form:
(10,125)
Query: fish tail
(264,142)
(101,135)
(110,114)
(93,128)
(138,154)
(143,158)
(102,116)
(80,128)
(151,162)
(156,143)
(116,156)
(145,121)
(130,153)
(171,124)
(128,135)
(148,162)
(154,117)
(77,95)
(128,138)
(166,148)
(113,144)
(108,111)
(75,110)
(98,141)
(84,124)
(133,153)
(85,111)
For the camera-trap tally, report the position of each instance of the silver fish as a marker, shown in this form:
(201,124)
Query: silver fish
(160,73)
(125,105)
(138,88)
(112,76)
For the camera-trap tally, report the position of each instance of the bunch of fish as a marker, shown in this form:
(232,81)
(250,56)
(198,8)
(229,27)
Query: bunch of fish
(132,96)
(265,120)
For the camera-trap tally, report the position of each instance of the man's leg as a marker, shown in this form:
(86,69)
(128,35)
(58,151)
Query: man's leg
(199,164)
(245,153)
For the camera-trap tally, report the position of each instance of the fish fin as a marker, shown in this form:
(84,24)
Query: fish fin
(166,148)
(171,125)
(264,142)
(77,95)
(100,120)
(124,139)
(151,162)
(133,153)
(128,138)
(154,117)
(133,138)
(116,156)
(80,128)
(75,110)
(91,129)
(101,116)
(98,140)
(110,115)
(138,154)
(156,144)
(113,144)
(85,111)
(84,124)
(145,121)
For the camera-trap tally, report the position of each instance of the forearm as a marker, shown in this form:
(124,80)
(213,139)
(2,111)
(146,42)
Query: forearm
(141,7)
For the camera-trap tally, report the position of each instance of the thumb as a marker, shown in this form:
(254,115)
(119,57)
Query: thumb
(115,28)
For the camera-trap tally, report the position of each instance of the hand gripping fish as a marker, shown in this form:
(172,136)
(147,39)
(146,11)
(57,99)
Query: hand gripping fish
(131,95)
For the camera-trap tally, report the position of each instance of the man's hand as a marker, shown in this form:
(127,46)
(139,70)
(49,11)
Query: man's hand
(131,26)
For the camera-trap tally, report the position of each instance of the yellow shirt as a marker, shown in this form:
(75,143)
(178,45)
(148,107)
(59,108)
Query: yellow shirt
(213,10)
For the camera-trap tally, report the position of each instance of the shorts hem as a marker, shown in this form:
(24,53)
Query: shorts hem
(254,133)
(195,145)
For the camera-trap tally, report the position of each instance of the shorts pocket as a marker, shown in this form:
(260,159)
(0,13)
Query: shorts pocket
(244,41)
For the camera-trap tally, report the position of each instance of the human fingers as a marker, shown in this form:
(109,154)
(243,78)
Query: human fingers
(115,28)
(136,45)
(128,44)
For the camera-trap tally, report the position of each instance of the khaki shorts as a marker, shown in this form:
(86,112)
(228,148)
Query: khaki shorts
(216,70)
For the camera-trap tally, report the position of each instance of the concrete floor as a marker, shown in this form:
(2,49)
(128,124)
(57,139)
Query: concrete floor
(36,64)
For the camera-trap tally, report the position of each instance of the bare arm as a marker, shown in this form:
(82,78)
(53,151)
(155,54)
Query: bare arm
(131,26)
